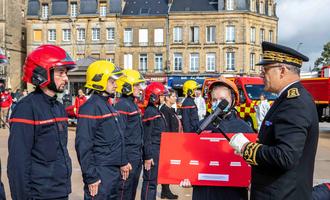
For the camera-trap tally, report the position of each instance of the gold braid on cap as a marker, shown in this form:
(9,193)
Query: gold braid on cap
(250,153)
(281,57)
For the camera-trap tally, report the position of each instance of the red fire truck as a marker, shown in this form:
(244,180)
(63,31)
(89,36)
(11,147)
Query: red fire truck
(319,88)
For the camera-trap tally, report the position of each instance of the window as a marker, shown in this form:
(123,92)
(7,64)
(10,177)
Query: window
(252,61)
(194,34)
(44,11)
(194,62)
(81,34)
(74,9)
(103,9)
(230,5)
(143,63)
(159,37)
(253,5)
(177,57)
(270,36)
(52,35)
(128,36)
(262,35)
(210,34)
(253,35)
(143,37)
(66,35)
(210,62)
(262,8)
(230,34)
(37,35)
(111,33)
(230,61)
(95,34)
(177,34)
(128,61)
(270,10)
(159,62)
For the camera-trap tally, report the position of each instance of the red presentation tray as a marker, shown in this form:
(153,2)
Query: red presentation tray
(205,159)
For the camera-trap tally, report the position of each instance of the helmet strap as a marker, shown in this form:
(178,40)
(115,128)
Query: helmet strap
(52,85)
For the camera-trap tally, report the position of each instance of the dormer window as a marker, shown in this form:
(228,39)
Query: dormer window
(230,5)
(253,5)
(103,9)
(262,8)
(270,10)
(44,11)
(73,9)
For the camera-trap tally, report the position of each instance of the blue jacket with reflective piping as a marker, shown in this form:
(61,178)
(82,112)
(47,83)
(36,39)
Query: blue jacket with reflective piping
(39,165)
(190,119)
(132,127)
(99,137)
(154,125)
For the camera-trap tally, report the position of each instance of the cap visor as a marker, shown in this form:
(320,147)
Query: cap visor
(265,62)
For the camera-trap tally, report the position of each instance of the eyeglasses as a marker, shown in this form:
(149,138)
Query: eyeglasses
(268,67)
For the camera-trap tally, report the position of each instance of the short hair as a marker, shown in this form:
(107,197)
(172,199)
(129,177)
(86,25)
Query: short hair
(170,93)
(293,68)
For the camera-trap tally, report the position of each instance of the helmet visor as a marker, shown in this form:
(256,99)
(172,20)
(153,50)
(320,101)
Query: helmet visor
(116,73)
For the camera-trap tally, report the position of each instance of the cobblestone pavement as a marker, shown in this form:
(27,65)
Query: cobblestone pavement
(321,174)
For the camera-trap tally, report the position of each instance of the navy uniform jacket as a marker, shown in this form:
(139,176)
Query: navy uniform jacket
(154,125)
(190,119)
(132,126)
(171,118)
(99,137)
(2,190)
(39,165)
(321,192)
(230,124)
(283,159)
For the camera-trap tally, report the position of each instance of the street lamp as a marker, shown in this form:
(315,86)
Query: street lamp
(299,45)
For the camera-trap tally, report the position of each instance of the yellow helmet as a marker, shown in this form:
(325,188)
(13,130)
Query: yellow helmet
(189,87)
(128,80)
(98,74)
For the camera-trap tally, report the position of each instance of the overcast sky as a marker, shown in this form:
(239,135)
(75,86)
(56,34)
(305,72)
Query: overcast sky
(304,24)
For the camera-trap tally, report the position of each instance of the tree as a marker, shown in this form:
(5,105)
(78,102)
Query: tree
(325,56)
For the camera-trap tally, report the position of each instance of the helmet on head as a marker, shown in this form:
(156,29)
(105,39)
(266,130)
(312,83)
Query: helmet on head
(128,80)
(39,62)
(228,83)
(153,91)
(189,87)
(98,74)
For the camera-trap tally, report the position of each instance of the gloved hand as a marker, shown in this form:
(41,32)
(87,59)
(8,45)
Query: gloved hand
(237,142)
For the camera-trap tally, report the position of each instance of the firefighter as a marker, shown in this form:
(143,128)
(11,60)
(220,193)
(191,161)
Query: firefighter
(190,119)
(154,125)
(99,136)
(39,166)
(221,89)
(129,86)
(283,157)
(2,189)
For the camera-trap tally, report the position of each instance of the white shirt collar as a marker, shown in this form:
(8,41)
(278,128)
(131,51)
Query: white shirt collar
(279,94)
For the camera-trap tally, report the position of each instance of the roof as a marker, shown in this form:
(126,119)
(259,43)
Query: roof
(82,64)
(205,5)
(115,6)
(33,8)
(88,7)
(146,7)
(59,7)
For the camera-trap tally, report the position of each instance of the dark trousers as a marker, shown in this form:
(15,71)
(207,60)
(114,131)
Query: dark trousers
(2,191)
(149,186)
(219,193)
(108,188)
(127,189)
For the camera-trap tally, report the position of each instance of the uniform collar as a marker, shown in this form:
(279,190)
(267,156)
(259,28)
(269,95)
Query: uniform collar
(49,99)
(286,87)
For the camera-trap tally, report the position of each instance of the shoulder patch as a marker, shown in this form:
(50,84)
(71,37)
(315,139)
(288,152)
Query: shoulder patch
(292,93)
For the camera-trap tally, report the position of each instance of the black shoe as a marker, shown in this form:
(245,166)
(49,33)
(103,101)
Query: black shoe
(168,195)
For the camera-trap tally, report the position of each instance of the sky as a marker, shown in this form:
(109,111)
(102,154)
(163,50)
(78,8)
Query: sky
(304,25)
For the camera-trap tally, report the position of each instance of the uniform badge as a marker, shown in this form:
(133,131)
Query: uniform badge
(293,92)
(268,123)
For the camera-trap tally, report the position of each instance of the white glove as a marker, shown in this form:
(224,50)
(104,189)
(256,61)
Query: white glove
(238,141)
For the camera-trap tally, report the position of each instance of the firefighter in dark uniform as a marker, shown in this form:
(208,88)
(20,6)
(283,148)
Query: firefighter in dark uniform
(129,86)
(221,89)
(99,137)
(2,189)
(39,166)
(189,110)
(321,192)
(283,158)
(154,125)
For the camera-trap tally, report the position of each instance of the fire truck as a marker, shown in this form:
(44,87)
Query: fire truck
(250,89)
(319,88)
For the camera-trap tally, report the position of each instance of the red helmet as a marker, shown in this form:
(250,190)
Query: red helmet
(39,62)
(153,91)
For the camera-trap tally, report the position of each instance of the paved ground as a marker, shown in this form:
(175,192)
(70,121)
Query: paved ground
(322,165)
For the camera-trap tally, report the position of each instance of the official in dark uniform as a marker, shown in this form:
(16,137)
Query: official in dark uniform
(2,189)
(39,166)
(189,110)
(153,124)
(283,158)
(99,136)
(129,86)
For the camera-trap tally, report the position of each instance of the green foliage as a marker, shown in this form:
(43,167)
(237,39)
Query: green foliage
(325,56)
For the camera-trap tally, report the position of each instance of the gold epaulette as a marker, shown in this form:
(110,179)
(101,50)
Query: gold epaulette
(250,153)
